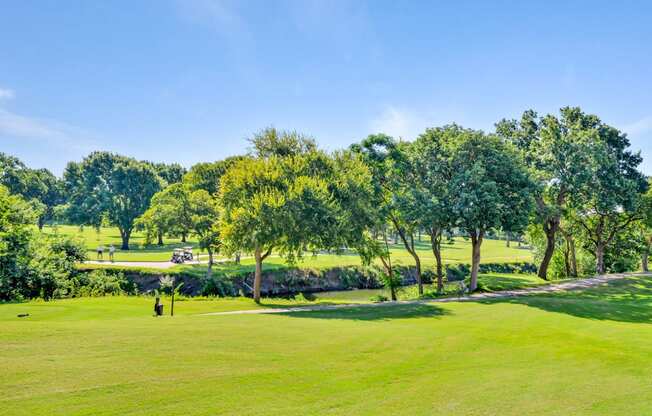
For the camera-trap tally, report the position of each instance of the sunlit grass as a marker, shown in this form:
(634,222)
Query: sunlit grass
(569,353)
(493,251)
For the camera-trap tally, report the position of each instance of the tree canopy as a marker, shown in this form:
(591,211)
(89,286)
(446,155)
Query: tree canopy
(108,186)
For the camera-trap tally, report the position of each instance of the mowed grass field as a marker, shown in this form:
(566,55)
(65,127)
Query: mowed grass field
(493,251)
(573,353)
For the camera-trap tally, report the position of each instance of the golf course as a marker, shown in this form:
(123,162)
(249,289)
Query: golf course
(325,207)
(514,356)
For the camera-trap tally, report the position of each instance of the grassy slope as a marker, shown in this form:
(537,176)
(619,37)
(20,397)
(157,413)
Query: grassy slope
(493,251)
(576,353)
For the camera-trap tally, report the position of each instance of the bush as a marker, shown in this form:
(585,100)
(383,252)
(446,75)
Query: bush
(379,298)
(217,286)
(456,273)
(100,283)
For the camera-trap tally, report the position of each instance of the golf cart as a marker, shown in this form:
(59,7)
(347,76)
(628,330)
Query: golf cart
(187,253)
(177,256)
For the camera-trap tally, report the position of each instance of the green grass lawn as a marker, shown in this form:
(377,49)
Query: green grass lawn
(493,251)
(573,353)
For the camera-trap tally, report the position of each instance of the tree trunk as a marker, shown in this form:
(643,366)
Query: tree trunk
(183,237)
(599,259)
(409,246)
(209,271)
(644,257)
(476,242)
(435,243)
(573,256)
(41,222)
(160,238)
(237,258)
(388,268)
(507,238)
(417,263)
(567,266)
(125,235)
(550,229)
(258,275)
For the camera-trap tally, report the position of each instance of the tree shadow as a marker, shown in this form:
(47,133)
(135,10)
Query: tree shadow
(377,312)
(622,300)
(494,282)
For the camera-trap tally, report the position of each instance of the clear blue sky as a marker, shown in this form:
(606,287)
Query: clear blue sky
(188,81)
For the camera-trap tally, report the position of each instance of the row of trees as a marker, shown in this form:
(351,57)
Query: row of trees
(568,181)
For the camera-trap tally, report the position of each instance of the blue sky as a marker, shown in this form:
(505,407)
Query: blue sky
(189,81)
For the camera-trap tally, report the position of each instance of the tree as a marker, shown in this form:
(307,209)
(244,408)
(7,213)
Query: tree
(204,214)
(272,142)
(15,216)
(490,189)
(395,177)
(159,219)
(271,204)
(646,226)
(295,203)
(432,155)
(171,173)
(207,176)
(38,186)
(611,201)
(106,185)
(553,149)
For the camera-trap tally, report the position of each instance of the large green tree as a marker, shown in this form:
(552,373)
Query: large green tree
(554,151)
(207,175)
(171,173)
(396,179)
(610,200)
(15,216)
(294,202)
(37,186)
(106,185)
(646,226)
(431,154)
(490,189)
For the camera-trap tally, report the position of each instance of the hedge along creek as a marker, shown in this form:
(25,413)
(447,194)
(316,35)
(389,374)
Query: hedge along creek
(283,283)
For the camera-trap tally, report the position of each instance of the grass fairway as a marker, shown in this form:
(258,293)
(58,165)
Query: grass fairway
(493,251)
(576,353)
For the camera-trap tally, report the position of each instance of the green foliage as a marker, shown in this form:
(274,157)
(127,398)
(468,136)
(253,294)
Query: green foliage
(379,298)
(217,286)
(106,185)
(171,173)
(207,176)
(272,142)
(37,186)
(15,250)
(101,283)
(490,187)
(295,202)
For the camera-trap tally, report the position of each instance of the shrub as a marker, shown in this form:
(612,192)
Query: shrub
(379,298)
(217,286)
(100,283)
(456,273)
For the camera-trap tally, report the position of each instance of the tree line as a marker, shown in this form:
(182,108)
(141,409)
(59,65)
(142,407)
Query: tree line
(568,182)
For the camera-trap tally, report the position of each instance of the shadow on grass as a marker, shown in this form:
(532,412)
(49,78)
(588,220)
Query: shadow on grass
(495,282)
(622,300)
(376,312)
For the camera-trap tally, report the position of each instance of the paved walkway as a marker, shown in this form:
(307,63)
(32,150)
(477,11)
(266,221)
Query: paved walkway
(154,264)
(551,288)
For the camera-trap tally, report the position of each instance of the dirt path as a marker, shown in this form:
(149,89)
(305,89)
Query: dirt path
(551,288)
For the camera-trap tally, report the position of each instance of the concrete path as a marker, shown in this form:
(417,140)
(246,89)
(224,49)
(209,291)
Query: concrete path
(154,264)
(551,288)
